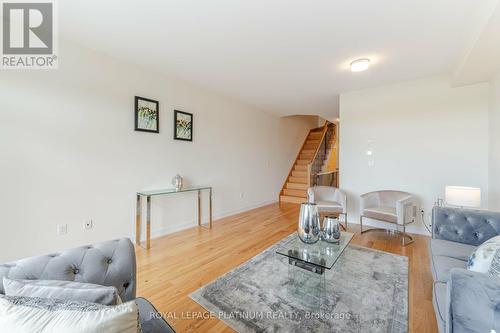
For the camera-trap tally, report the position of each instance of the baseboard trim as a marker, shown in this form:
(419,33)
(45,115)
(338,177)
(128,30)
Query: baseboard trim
(159,232)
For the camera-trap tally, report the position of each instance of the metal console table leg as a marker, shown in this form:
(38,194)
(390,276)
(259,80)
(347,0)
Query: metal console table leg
(148,195)
(210,199)
(200,224)
(138,220)
(199,208)
(148,223)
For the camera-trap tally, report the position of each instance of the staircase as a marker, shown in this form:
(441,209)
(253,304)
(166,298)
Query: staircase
(312,158)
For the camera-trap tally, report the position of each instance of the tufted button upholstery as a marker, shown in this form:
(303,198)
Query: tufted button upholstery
(91,264)
(465,225)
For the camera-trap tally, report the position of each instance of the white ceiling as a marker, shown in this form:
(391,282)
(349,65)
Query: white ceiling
(481,59)
(284,56)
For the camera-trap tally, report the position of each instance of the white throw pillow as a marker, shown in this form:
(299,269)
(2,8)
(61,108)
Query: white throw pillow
(42,315)
(64,290)
(486,257)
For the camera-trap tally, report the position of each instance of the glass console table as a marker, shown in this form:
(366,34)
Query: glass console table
(149,194)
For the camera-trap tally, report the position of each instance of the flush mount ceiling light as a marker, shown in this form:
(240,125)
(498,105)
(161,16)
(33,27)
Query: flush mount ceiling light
(360,65)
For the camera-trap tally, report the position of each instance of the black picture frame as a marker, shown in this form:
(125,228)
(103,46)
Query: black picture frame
(138,127)
(181,136)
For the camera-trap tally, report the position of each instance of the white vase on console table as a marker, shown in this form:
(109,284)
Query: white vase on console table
(177,182)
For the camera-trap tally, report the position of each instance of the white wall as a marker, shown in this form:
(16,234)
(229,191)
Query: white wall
(425,136)
(494,132)
(69,152)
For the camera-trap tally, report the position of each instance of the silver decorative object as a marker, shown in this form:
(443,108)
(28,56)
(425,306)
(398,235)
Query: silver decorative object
(331,230)
(177,182)
(309,229)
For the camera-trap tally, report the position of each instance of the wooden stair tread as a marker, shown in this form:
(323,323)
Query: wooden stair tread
(295,192)
(300,180)
(299,174)
(292,199)
(296,186)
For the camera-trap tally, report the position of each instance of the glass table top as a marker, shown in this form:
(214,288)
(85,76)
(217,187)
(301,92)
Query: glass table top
(321,253)
(151,193)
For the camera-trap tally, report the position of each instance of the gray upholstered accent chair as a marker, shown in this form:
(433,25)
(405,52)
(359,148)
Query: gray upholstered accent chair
(394,207)
(464,301)
(329,200)
(110,263)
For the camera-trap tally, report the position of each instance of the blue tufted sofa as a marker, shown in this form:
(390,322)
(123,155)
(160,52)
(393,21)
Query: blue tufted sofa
(110,263)
(464,301)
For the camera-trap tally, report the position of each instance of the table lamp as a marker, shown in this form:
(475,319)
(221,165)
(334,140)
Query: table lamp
(462,196)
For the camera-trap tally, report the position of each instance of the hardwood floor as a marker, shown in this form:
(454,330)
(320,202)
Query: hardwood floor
(180,263)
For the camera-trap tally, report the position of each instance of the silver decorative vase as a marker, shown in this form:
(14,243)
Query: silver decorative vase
(177,182)
(331,230)
(309,229)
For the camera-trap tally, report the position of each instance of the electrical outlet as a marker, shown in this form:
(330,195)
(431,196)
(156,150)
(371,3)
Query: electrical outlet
(88,224)
(62,229)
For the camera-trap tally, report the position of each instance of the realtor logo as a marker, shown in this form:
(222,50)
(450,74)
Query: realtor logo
(28,35)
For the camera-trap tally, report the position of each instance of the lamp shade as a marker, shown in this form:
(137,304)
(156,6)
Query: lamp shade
(463,196)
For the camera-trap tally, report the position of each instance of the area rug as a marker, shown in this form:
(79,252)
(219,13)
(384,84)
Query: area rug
(365,291)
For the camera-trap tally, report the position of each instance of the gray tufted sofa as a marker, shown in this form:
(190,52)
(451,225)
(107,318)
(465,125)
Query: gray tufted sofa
(464,301)
(110,263)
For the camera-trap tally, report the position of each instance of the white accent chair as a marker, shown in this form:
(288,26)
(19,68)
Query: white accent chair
(330,201)
(389,206)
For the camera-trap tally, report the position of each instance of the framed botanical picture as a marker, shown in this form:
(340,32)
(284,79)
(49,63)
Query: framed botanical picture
(183,126)
(147,115)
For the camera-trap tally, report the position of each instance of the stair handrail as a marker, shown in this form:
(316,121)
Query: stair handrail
(310,175)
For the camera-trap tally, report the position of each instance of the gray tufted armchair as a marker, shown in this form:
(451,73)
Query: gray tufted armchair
(389,206)
(110,263)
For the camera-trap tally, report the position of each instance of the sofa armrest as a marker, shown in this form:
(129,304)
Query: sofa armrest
(151,320)
(467,226)
(473,302)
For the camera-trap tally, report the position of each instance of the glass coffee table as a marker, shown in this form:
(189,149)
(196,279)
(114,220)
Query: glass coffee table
(314,257)
(307,267)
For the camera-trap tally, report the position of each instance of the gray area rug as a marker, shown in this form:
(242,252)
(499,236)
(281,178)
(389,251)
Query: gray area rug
(365,291)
